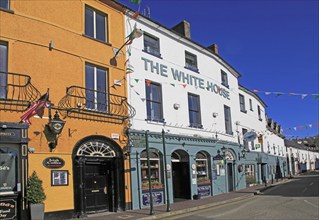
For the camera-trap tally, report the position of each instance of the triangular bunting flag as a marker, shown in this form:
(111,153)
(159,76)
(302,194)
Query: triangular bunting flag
(148,82)
(136,80)
(172,84)
(184,85)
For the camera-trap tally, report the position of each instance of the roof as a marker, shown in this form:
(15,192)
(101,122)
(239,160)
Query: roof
(252,94)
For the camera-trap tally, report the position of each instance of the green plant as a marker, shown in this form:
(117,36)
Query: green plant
(250,179)
(203,179)
(35,192)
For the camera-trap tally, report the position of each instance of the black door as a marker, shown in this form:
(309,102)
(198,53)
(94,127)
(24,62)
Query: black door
(181,181)
(230,177)
(97,181)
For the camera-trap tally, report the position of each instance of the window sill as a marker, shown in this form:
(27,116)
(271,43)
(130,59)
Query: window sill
(244,111)
(227,86)
(100,41)
(7,10)
(153,54)
(230,133)
(196,126)
(260,119)
(196,70)
(153,121)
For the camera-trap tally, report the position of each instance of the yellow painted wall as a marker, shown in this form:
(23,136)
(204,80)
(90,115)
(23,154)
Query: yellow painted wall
(28,32)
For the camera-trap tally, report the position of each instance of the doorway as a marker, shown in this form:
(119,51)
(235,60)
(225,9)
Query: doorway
(230,175)
(181,178)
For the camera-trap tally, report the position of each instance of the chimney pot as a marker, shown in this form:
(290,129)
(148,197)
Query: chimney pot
(214,48)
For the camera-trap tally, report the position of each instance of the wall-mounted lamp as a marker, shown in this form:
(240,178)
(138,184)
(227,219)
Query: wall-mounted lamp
(243,152)
(51,45)
(53,129)
(215,114)
(176,106)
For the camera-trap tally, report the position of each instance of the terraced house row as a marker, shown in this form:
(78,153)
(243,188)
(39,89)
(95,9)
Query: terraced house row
(135,114)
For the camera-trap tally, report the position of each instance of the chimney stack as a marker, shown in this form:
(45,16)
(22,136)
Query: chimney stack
(184,28)
(214,48)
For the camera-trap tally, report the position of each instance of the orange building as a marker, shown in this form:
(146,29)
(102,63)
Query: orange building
(68,49)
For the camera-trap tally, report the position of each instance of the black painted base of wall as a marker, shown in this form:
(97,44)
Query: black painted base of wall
(66,214)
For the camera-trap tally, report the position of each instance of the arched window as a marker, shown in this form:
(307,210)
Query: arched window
(202,170)
(155,167)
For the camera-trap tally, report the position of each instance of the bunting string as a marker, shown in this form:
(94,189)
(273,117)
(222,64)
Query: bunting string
(302,95)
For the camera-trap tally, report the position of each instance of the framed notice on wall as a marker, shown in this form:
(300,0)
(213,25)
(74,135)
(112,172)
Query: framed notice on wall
(59,178)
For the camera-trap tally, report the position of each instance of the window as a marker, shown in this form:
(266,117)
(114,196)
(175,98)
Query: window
(191,61)
(251,104)
(154,101)
(259,113)
(3,69)
(194,111)
(95,24)
(151,45)
(4,4)
(246,147)
(228,123)
(242,103)
(224,78)
(96,84)
(202,170)
(59,178)
(155,167)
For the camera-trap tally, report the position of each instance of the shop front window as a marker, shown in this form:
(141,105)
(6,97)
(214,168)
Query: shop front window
(250,174)
(155,167)
(202,170)
(8,170)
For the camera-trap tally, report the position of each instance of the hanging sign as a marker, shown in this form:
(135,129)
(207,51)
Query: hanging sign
(250,136)
(53,162)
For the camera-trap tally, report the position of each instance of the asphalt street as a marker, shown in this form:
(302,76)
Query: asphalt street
(294,200)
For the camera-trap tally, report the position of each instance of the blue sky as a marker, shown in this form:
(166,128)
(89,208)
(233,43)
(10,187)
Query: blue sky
(273,44)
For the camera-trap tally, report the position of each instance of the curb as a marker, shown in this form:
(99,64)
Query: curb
(178,212)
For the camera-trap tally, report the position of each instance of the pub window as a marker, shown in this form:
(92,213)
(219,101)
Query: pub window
(251,105)
(8,170)
(96,84)
(191,61)
(224,78)
(242,103)
(95,24)
(154,104)
(194,111)
(59,178)
(202,170)
(151,45)
(3,69)
(259,113)
(155,167)
(228,123)
(5,4)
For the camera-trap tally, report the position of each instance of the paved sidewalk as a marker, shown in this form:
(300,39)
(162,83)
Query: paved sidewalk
(184,206)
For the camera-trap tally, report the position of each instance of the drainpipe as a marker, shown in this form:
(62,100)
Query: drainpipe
(138,180)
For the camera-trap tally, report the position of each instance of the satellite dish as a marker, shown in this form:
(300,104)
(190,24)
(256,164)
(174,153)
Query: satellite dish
(250,136)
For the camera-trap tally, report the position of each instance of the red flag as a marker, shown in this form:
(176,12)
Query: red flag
(36,109)
(148,82)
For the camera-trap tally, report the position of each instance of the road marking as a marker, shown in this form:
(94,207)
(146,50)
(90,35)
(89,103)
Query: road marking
(309,203)
(304,190)
(311,184)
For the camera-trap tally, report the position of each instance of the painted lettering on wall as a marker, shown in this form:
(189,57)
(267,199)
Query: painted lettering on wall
(180,76)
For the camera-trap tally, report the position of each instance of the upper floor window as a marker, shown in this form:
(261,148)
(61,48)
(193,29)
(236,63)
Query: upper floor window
(4,4)
(191,61)
(194,111)
(242,103)
(259,113)
(228,123)
(95,24)
(154,104)
(224,78)
(251,105)
(3,69)
(96,85)
(151,45)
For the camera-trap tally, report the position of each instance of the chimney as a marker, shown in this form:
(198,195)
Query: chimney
(214,48)
(184,28)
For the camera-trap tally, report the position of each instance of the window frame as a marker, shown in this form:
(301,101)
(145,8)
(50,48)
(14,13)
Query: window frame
(95,89)
(3,88)
(61,173)
(242,103)
(149,99)
(259,113)
(228,121)
(153,50)
(188,65)
(94,37)
(224,78)
(6,9)
(198,120)
(251,105)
